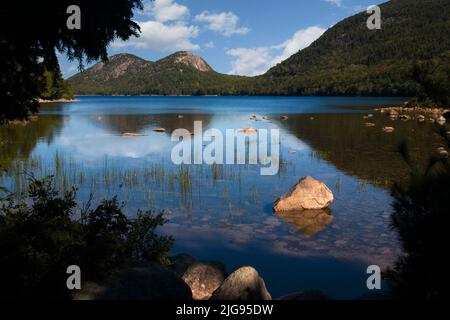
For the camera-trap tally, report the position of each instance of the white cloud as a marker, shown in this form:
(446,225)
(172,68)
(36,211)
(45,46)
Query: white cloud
(166,31)
(249,61)
(162,37)
(256,61)
(337,3)
(225,23)
(165,10)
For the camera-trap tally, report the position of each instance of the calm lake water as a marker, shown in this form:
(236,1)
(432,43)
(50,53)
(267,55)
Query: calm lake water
(225,212)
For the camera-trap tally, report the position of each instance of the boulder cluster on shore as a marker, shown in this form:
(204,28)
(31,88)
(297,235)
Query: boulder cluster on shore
(185,279)
(435,115)
(439,116)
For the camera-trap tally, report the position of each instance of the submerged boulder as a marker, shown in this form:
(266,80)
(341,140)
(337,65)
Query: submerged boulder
(204,278)
(243,284)
(307,194)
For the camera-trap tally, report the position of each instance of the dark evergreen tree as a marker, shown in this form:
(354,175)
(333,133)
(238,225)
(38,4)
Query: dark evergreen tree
(32,31)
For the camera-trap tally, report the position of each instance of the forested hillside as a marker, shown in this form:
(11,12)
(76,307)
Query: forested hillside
(349,59)
(181,73)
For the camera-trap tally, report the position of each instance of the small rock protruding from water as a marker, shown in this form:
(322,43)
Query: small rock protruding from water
(388,129)
(160,130)
(421,118)
(442,152)
(307,194)
(441,120)
(249,130)
(253,118)
(243,284)
(130,134)
(393,114)
(284,118)
(405,117)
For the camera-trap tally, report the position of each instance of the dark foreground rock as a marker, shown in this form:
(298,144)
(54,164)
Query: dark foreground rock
(139,281)
(243,284)
(204,278)
(181,262)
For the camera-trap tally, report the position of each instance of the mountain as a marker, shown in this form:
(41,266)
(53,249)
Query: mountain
(351,59)
(182,73)
(348,59)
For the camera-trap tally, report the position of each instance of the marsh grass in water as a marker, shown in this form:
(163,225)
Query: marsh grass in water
(107,177)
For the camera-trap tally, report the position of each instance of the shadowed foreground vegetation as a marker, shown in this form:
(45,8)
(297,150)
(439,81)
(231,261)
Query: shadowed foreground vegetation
(422,221)
(44,234)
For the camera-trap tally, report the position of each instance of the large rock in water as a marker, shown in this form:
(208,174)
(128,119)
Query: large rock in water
(204,278)
(243,284)
(307,194)
(139,281)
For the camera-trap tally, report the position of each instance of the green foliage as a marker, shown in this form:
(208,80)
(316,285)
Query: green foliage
(40,238)
(28,48)
(434,77)
(349,59)
(54,86)
(422,221)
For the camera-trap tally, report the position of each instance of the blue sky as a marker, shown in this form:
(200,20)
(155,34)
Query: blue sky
(244,37)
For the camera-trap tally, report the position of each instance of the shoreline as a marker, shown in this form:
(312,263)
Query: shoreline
(43,101)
